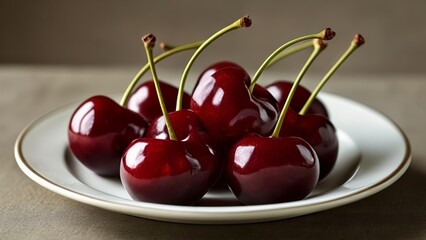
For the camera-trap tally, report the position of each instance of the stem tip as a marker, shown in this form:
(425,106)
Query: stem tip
(165,46)
(329,34)
(358,40)
(149,40)
(245,21)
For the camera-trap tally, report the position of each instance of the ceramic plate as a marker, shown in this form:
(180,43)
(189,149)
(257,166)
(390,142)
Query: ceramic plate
(373,154)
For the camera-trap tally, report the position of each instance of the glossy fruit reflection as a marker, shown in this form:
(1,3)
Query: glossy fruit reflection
(265,170)
(100,130)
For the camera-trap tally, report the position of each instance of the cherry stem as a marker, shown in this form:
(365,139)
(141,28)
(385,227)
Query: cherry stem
(326,34)
(319,45)
(290,52)
(167,47)
(145,68)
(149,42)
(357,41)
(240,23)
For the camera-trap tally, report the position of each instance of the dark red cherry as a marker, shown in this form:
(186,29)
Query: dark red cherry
(100,130)
(174,167)
(280,90)
(160,171)
(228,110)
(319,132)
(265,170)
(144,100)
(168,171)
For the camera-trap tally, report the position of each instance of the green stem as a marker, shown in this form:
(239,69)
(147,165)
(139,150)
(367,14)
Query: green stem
(240,23)
(326,34)
(149,42)
(317,50)
(167,47)
(145,68)
(290,52)
(356,42)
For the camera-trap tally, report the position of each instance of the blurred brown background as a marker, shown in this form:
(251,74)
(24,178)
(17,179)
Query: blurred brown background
(87,33)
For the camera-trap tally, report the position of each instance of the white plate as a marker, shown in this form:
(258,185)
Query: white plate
(373,154)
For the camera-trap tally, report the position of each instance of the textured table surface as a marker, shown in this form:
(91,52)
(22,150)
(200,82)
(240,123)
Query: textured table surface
(29,211)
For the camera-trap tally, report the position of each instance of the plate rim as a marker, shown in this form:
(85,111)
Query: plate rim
(129,208)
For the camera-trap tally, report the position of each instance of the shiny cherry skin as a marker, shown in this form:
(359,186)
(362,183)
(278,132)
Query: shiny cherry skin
(210,70)
(319,132)
(266,170)
(258,91)
(280,90)
(100,130)
(190,130)
(228,110)
(144,99)
(157,169)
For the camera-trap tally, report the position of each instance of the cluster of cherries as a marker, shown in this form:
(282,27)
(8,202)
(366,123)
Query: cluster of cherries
(269,144)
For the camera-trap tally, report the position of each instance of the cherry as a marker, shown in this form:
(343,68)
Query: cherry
(201,94)
(190,130)
(264,170)
(317,130)
(224,102)
(144,100)
(100,130)
(173,167)
(161,171)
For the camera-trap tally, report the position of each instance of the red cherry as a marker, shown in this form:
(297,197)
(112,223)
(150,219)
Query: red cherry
(228,106)
(264,170)
(178,185)
(162,171)
(178,169)
(316,129)
(100,130)
(144,100)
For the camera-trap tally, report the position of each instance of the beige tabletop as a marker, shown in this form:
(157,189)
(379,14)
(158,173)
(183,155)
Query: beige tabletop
(29,211)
